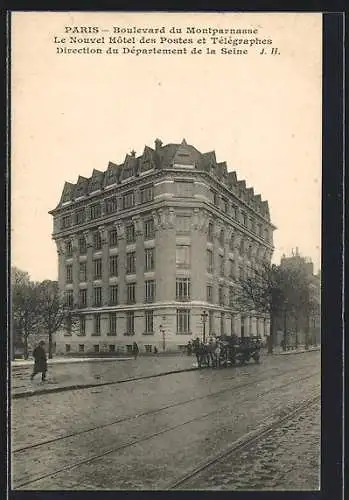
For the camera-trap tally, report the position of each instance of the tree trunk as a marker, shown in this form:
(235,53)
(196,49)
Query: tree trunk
(50,345)
(25,341)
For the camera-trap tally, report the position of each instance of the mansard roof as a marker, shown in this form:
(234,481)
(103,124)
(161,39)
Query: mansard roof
(162,157)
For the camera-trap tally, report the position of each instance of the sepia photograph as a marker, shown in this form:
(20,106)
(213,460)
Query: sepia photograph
(166,176)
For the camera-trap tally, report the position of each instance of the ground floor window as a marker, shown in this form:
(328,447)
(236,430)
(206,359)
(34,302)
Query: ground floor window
(67,347)
(148,348)
(129,348)
(111,347)
(81,348)
(183,321)
(96,348)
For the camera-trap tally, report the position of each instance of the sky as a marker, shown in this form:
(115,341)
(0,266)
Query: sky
(74,113)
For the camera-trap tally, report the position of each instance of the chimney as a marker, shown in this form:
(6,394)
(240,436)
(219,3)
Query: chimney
(158,144)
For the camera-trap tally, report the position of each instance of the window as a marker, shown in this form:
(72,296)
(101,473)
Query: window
(210,232)
(68,248)
(96,324)
(215,198)
(97,296)
(241,272)
(82,245)
(253,225)
(130,233)
(129,348)
(221,295)
(184,188)
(97,263)
(82,325)
(82,298)
(113,265)
(244,219)
(128,200)
(80,216)
(147,194)
(233,211)
(209,293)
(222,323)
(149,259)
(113,238)
(65,221)
(149,229)
(149,291)
(209,254)
(183,256)
(131,263)
(149,322)
(131,293)
(231,244)
(69,298)
(67,348)
(182,288)
(95,211)
(231,296)
(96,348)
(231,268)
(259,229)
(111,347)
(148,348)
(69,273)
(183,224)
(112,323)
(111,205)
(221,265)
(113,295)
(225,206)
(183,321)
(82,271)
(97,240)
(130,323)
(81,347)
(221,238)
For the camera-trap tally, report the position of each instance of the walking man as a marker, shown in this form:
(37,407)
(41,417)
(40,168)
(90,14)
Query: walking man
(40,361)
(135,349)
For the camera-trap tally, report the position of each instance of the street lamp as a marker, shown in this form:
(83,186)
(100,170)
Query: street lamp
(162,331)
(204,317)
(285,325)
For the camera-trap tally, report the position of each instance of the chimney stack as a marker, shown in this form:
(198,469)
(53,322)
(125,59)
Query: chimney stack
(158,144)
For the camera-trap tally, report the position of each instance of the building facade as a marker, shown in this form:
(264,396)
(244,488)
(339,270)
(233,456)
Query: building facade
(150,251)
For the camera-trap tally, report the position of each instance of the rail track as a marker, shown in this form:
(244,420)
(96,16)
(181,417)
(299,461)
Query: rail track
(243,442)
(235,446)
(156,410)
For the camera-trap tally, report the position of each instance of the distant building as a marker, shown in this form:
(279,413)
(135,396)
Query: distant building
(148,246)
(298,325)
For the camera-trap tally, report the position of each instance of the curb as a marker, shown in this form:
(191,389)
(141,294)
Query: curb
(27,394)
(297,352)
(65,362)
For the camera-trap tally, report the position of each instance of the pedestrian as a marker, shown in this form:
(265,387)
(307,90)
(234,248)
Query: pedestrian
(135,349)
(189,348)
(155,350)
(40,361)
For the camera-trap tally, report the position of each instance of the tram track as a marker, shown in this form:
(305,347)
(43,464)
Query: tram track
(154,411)
(244,442)
(153,435)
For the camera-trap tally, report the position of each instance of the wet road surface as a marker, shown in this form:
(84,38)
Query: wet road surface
(148,433)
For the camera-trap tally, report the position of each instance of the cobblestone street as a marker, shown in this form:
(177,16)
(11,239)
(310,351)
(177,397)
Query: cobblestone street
(145,434)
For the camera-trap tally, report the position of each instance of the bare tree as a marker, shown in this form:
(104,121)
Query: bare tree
(54,314)
(25,305)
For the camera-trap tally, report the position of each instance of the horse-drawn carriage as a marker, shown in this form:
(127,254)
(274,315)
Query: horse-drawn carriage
(227,351)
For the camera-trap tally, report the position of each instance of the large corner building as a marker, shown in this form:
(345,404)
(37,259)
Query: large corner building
(150,251)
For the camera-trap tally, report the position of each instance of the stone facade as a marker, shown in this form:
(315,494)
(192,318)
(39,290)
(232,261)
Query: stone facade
(147,246)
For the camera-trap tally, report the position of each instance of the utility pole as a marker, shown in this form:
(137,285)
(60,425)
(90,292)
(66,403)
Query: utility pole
(162,331)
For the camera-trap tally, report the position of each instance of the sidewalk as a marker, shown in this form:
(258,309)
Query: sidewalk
(67,376)
(19,363)
(297,351)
